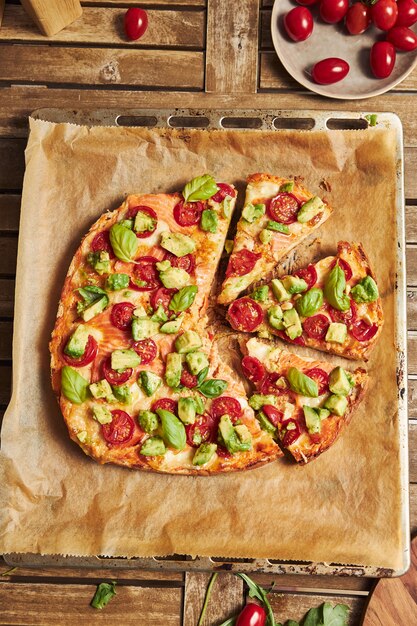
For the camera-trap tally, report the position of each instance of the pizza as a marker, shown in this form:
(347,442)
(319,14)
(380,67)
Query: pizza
(137,375)
(277,216)
(303,403)
(332,305)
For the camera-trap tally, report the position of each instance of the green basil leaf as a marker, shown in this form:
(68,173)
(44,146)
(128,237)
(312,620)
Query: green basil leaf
(278,227)
(229,622)
(334,289)
(209,221)
(124,242)
(202,376)
(291,622)
(300,383)
(335,616)
(89,294)
(104,593)
(115,282)
(255,591)
(73,385)
(173,431)
(212,388)
(183,299)
(310,302)
(200,188)
(314,617)
(365,290)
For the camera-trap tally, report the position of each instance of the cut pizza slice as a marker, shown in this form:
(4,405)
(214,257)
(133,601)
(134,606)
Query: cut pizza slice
(278,214)
(303,403)
(332,305)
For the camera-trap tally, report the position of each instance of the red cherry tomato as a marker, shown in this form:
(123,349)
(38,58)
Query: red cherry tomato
(321,377)
(186,262)
(358,18)
(136,23)
(273,414)
(308,274)
(224,190)
(307,3)
(344,317)
(362,331)
(242,262)
(344,265)
(145,275)
(253,369)
(146,349)
(382,59)
(384,14)
(269,385)
(162,297)
(299,23)
(89,355)
(226,405)
(407,13)
(402,38)
(223,453)
(205,427)
(188,379)
(252,615)
(168,404)
(316,326)
(245,314)
(329,71)
(283,208)
(131,214)
(332,11)
(120,429)
(298,341)
(101,242)
(113,376)
(292,434)
(188,213)
(121,315)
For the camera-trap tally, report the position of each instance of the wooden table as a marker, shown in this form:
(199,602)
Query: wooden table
(195,54)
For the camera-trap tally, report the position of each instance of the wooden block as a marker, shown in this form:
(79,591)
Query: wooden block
(411,224)
(8,256)
(295,606)
(51,16)
(2,3)
(226,598)
(9,212)
(5,384)
(6,297)
(412,309)
(412,399)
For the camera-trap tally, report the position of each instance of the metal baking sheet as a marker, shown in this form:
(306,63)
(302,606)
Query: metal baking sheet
(303,121)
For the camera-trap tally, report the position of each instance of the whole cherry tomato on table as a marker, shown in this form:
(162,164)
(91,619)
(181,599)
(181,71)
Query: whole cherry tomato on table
(402,38)
(358,18)
(407,13)
(382,59)
(332,11)
(384,14)
(252,615)
(299,24)
(329,71)
(136,23)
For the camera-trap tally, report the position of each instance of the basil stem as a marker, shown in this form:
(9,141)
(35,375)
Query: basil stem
(207,598)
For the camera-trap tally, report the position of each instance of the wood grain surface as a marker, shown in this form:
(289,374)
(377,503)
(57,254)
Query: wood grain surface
(196,54)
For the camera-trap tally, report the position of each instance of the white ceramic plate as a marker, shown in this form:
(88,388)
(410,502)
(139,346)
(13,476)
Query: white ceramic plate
(333,40)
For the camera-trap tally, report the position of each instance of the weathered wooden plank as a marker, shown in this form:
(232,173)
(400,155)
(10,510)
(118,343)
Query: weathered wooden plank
(6,297)
(412,398)
(102,66)
(146,3)
(104,26)
(5,384)
(411,259)
(226,598)
(412,354)
(8,255)
(295,606)
(6,333)
(412,309)
(292,583)
(413,508)
(232,47)
(412,447)
(273,75)
(265,28)
(12,162)
(9,212)
(28,604)
(411,224)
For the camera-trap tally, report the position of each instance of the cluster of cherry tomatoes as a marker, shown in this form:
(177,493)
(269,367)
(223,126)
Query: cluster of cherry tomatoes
(393,17)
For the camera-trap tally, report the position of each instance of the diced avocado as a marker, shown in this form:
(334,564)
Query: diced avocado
(265,236)
(100,261)
(189,341)
(243,433)
(163,266)
(339,382)
(336,332)
(292,324)
(365,290)
(261,294)
(173,369)
(277,227)
(172,327)
(196,362)
(204,453)
(144,328)
(310,209)
(264,334)
(228,245)
(323,413)
(227,207)
(275,317)
(101,414)
(252,212)
(294,284)
(186,410)
(336,404)
(114,282)
(312,420)
(122,359)
(177,243)
(209,221)
(232,440)
(154,446)
(127,224)
(101,389)
(78,341)
(258,400)
(148,421)
(122,393)
(143,222)
(140,312)
(149,382)
(174,278)
(287,187)
(159,316)
(94,309)
(265,424)
(82,436)
(199,405)
(279,291)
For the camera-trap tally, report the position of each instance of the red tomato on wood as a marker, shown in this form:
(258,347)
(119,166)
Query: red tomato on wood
(299,24)
(252,615)
(136,23)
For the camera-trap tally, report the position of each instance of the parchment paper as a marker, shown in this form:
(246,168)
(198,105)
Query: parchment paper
(344,507)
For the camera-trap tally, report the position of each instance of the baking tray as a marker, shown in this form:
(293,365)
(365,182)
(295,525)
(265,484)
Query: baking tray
(303,121)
